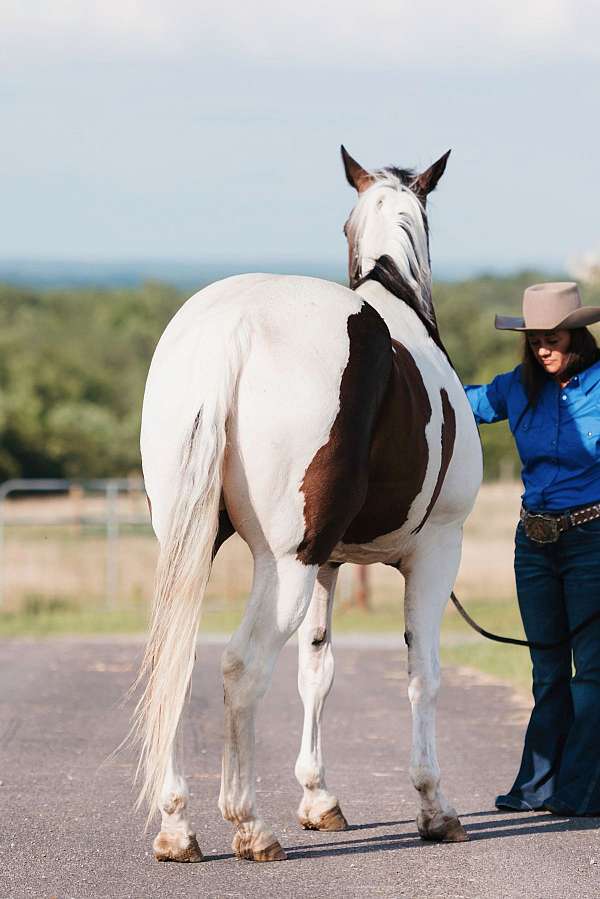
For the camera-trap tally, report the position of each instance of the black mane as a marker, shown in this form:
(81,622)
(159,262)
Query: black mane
(386,272)
(406,176)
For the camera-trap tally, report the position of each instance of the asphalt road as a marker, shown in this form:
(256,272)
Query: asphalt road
(68,828)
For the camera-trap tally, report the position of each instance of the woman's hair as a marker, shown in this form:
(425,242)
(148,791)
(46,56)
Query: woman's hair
(583,352)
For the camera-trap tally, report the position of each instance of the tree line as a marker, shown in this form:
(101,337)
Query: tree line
(73,365)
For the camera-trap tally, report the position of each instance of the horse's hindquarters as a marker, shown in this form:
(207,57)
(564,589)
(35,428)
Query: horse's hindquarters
(287,338)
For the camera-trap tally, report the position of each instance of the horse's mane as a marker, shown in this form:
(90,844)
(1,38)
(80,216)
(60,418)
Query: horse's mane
(407,239)
(404,268)
(405,176)
(386,272)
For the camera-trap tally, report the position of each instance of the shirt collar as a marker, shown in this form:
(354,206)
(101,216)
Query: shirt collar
(590,377)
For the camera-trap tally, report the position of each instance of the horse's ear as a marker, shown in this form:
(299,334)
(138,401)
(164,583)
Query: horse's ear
(356,175)
(427,181)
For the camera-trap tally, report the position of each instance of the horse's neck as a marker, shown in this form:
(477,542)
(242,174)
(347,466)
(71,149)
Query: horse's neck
(403,322)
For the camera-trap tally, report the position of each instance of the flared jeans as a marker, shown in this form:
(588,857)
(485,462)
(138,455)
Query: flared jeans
(558,585)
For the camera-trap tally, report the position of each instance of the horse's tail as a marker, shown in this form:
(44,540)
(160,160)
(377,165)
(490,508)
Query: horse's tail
(181,577)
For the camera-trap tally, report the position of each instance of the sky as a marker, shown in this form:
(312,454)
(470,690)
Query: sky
(209,131)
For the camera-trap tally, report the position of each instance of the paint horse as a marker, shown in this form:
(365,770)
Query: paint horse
(324,425)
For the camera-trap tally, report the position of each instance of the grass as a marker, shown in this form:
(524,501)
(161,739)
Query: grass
(461,646)
(507,663)
(71,533)
(55,616)
(42,616)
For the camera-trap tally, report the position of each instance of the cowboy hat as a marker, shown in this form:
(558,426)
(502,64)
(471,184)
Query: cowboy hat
(548,307)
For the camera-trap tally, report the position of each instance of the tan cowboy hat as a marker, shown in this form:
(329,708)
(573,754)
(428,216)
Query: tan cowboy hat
(547,307)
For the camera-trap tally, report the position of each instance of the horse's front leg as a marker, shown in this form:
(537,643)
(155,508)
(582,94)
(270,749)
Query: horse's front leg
(319,809)
(430,574)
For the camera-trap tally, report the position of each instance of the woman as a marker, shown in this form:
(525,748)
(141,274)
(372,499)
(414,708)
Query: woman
(552,402)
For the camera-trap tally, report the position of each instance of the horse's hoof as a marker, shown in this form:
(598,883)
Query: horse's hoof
(273,853)
(170,847)
(331,820)
(442,829)
(242,846)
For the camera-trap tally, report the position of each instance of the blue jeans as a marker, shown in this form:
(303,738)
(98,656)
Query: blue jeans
(558,585)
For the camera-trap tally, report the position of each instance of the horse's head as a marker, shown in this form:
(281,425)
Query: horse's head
(389,219)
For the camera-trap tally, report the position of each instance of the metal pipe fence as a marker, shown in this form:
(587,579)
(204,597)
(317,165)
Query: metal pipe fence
(87,546)
(106,517)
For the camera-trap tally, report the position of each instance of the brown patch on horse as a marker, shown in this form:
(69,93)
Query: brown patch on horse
(448,438)
(399,453)
(336,481)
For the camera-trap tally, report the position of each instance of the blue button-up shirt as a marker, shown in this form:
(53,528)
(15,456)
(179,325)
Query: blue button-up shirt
(558,440)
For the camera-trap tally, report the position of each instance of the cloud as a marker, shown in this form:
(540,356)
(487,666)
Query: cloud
(381,33)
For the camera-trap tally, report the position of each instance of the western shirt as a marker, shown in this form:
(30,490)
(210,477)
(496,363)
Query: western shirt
(558,440)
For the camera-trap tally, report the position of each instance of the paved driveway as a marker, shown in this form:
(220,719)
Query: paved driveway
(68,829)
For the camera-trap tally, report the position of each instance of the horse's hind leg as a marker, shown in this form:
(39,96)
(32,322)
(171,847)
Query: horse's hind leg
(176,841)
(430,575)
(280,596)
(319,809)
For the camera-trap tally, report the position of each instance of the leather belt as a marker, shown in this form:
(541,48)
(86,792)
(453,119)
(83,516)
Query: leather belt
(547,527)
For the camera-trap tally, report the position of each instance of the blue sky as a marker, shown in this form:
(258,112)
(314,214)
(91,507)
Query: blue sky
(210,131)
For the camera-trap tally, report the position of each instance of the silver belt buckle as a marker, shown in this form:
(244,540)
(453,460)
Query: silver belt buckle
(541,528)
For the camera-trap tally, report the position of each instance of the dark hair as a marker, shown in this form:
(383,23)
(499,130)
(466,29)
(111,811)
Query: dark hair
(583,352)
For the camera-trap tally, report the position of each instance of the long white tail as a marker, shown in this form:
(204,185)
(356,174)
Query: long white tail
(181,578)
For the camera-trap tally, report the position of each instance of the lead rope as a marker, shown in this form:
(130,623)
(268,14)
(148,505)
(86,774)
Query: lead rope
(514,641)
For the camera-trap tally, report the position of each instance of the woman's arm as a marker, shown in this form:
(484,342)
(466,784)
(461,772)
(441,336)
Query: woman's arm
(488,401)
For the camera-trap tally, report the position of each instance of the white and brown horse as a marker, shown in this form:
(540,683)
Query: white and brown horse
(323,425)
